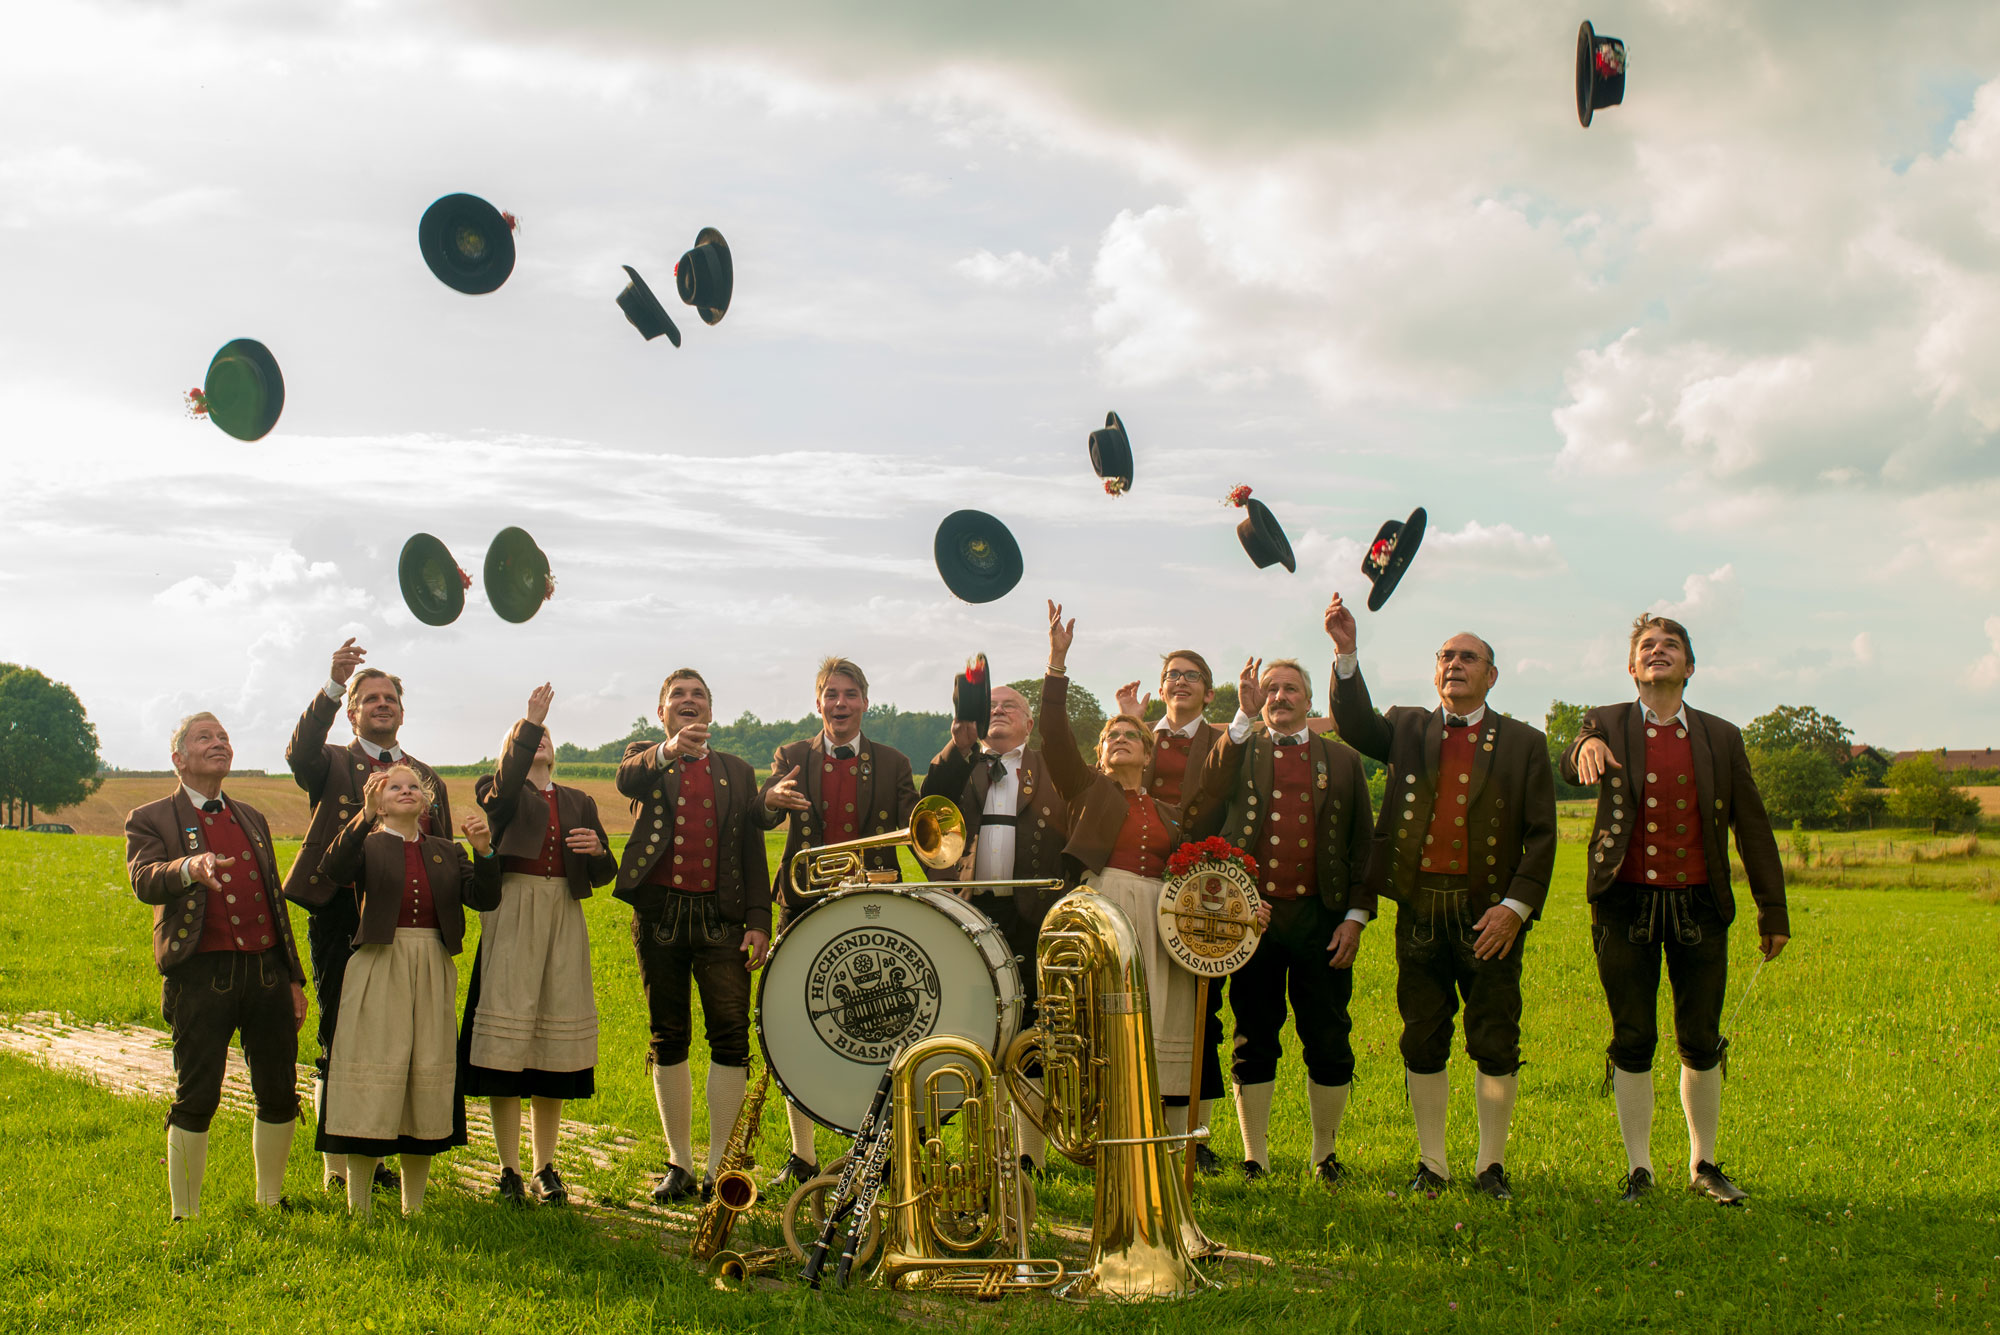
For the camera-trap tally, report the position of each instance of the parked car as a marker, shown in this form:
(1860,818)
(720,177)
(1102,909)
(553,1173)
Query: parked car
(51,827)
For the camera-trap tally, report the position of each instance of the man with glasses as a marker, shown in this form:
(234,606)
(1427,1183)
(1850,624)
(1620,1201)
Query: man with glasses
(1464,843)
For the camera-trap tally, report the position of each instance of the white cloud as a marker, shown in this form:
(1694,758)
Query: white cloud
(1014,269)
(1711,597)
(1863,646)
(1498,549)
(1984,674)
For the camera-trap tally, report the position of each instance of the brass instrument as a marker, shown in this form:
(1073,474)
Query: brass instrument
(944,1208)
(1099,1102)
(734,1266)
(936,835)
(734,1190)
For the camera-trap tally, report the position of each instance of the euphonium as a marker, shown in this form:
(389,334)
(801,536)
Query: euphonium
(1099,1101)
(936,836)
(734,1189)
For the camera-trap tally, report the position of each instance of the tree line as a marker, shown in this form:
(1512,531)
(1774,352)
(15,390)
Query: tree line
(48,746)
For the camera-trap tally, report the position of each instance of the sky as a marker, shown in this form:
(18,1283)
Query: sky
(1733,353)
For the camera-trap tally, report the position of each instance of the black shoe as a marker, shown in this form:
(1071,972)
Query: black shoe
(677,1185)
(1713,1183)
(1206,1163)
(1493,1181)
(708,1189)
(1330,1170)
(1035,1172)
(796,1170)
(1252,1170)
(1637,1184)
(336,1186)
(511,1188)
(1426,1183)
(549,1188)
(284,1205)
(386,1178)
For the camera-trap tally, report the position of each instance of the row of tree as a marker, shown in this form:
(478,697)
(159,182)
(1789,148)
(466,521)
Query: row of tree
(48,746)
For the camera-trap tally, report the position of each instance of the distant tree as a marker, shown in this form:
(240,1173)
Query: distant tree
(1922,793)
(1222,709)
(1860,802)
(1801,727)
(48,746)
(1560,724)
(1799,785)
(1086,713)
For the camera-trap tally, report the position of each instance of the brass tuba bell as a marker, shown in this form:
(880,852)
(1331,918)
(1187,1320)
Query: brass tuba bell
(936,835)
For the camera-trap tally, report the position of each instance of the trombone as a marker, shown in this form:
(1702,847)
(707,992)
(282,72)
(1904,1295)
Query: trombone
(936,836)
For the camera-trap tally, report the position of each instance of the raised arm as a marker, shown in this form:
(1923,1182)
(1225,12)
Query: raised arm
(1072,775)
(1354,714)
(640,769)
(1205,805)
(503,801)
(951,768)
(305,754)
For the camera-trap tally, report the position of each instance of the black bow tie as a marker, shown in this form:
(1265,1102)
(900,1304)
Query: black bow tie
(996,767)
(1454,721)
(843,753)
(213,804)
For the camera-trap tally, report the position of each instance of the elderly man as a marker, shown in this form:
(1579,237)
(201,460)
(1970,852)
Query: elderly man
(1464,843)
(224,946)
(332,777)
(1688,780)
(1016,824)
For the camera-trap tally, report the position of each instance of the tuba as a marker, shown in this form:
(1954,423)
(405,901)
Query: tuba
(936,835)
(1099,1099)
(735,1190)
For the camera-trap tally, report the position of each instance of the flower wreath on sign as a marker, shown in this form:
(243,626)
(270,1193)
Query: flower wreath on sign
(1212,849)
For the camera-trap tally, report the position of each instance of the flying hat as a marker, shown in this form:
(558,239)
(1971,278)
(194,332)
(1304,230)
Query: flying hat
(1260,532)
(1390,555)
(434,585)
(972,695)
(517,576)
(644,310)
(706,276)
(1600,72)
(1111,455)
(977,556)
(468,243)
(244,391)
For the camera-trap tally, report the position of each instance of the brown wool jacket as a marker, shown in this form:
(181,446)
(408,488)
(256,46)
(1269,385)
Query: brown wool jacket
(1041,821)
(519,815)
(332,777)
(1097,806)
(159,839)
(743,871)
(371,860)
(1510,816)
(1726,796)
(886,793)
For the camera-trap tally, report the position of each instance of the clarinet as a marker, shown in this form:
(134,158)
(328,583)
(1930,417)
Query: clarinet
(873,1129)
(873,1172)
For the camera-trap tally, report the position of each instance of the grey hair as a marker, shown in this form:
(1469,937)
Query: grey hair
(186,726)
(1296,666)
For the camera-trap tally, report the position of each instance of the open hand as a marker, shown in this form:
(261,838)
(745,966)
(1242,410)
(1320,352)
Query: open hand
(1593,761)
(538,704)
(1497,928)
(1250,687)
(1131,702)
(1346,943)
(585,841)
(203,867)
(1340,626)
(785,794)
(1061,636)
(345,659)
(477,833)
(756,945)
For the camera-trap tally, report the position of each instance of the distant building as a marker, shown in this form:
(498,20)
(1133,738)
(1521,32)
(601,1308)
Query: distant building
(1948,760)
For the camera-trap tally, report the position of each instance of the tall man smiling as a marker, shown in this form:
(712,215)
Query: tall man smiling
(1465,843)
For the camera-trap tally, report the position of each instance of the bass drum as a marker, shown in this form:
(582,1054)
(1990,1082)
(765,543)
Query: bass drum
(864,971)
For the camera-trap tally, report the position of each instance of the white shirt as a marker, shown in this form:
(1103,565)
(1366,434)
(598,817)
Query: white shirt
(381,753)
(187,871)
(1679,719)
(1239,732)
(1193,726)
(993,850)
(828,744)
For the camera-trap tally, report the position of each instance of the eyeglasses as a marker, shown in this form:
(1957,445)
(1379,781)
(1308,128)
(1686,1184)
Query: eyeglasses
(1176,674)
(1460,656)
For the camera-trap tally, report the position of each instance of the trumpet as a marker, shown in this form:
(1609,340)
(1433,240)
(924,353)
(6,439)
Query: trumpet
(734,1189)
(936,836)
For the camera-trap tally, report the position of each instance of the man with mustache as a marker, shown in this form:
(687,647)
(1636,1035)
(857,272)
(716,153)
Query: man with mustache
(698,881)
(1664,890)
(1465,843)
(831,788)
(332,777)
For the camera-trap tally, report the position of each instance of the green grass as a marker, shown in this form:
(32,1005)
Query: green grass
(1860,1111)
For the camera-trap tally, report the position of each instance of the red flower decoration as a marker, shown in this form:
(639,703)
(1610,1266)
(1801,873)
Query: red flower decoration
(1212,849)
(197,402)
(1237,496)
(1115,486)
(464,580)
(975,671)
(1610,61)
(513,223)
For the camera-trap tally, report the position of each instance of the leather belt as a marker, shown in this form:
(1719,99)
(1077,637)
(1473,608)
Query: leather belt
(1002,818)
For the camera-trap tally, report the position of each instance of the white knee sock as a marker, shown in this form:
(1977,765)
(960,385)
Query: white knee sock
(1495,1096)
(360,1169)
(507,1131)
(416,1177)
(270,1146)
(1633,1091)
(802,1134)
(335,1164)
(1701,1100)
(1430,1099)
(725,1101)
(1329,1104)
(673,1093)
(546,1129)
(187,1163)
(1253,1116)
(1033,1143)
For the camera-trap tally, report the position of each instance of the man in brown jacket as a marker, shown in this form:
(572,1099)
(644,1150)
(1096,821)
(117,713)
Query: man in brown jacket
(1465,844)
(223,944)
(699,883)
(832,788)
(332,777)
(1665,890)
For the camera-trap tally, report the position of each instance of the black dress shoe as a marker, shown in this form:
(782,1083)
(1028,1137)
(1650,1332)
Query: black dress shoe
(1206,1163)
(677,1185)
(1035,1172)
(511,1188)
(1712,1182)
(1252,1170)
(386,1178)
(1493,1181)
(796,1170)
(336,1186)
(1637,1184)
(549,1188)
(1426,1183)
(1330,1170)
(708,1189)
(284,1205)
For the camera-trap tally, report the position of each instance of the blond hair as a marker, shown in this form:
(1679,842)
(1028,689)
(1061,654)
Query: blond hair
(380,780)
(1146,738)
(186,726)
(837,666)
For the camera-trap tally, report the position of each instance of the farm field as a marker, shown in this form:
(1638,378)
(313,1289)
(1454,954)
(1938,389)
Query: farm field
(1860,1112)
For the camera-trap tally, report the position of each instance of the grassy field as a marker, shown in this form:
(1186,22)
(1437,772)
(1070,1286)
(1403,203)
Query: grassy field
(1860,1113)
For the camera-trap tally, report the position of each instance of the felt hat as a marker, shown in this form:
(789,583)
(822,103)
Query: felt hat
(244,391)
(433,584)
(1260,533)
(706,276)
(972,695)
(1600,72)
(1395,546)
(517,576)
(977,556)
(468,243)
(644,310)
(1111,455)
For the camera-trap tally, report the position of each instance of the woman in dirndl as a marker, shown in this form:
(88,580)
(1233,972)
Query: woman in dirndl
(530,1028)
(392,1078)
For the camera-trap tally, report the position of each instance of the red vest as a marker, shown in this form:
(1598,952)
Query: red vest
(839,790)
(1668,851)
(1445,843)
(238,916)
(1170,763)
(550,862)
(692,867)
(1142,840)
(1290,838)
(418,909)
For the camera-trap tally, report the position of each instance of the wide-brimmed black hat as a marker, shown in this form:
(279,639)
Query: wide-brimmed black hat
(1111,455)
(433,584)
(244,391)
(517,576)
(644,310)
(1600,72)
(468,243)
(977,556)
(706,276)
(1395,546)
(972,695)
(1260,533)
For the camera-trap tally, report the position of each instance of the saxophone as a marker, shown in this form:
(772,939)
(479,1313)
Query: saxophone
(734,1189)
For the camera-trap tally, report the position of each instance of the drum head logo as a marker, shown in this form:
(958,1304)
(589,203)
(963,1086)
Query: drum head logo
(870,989)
